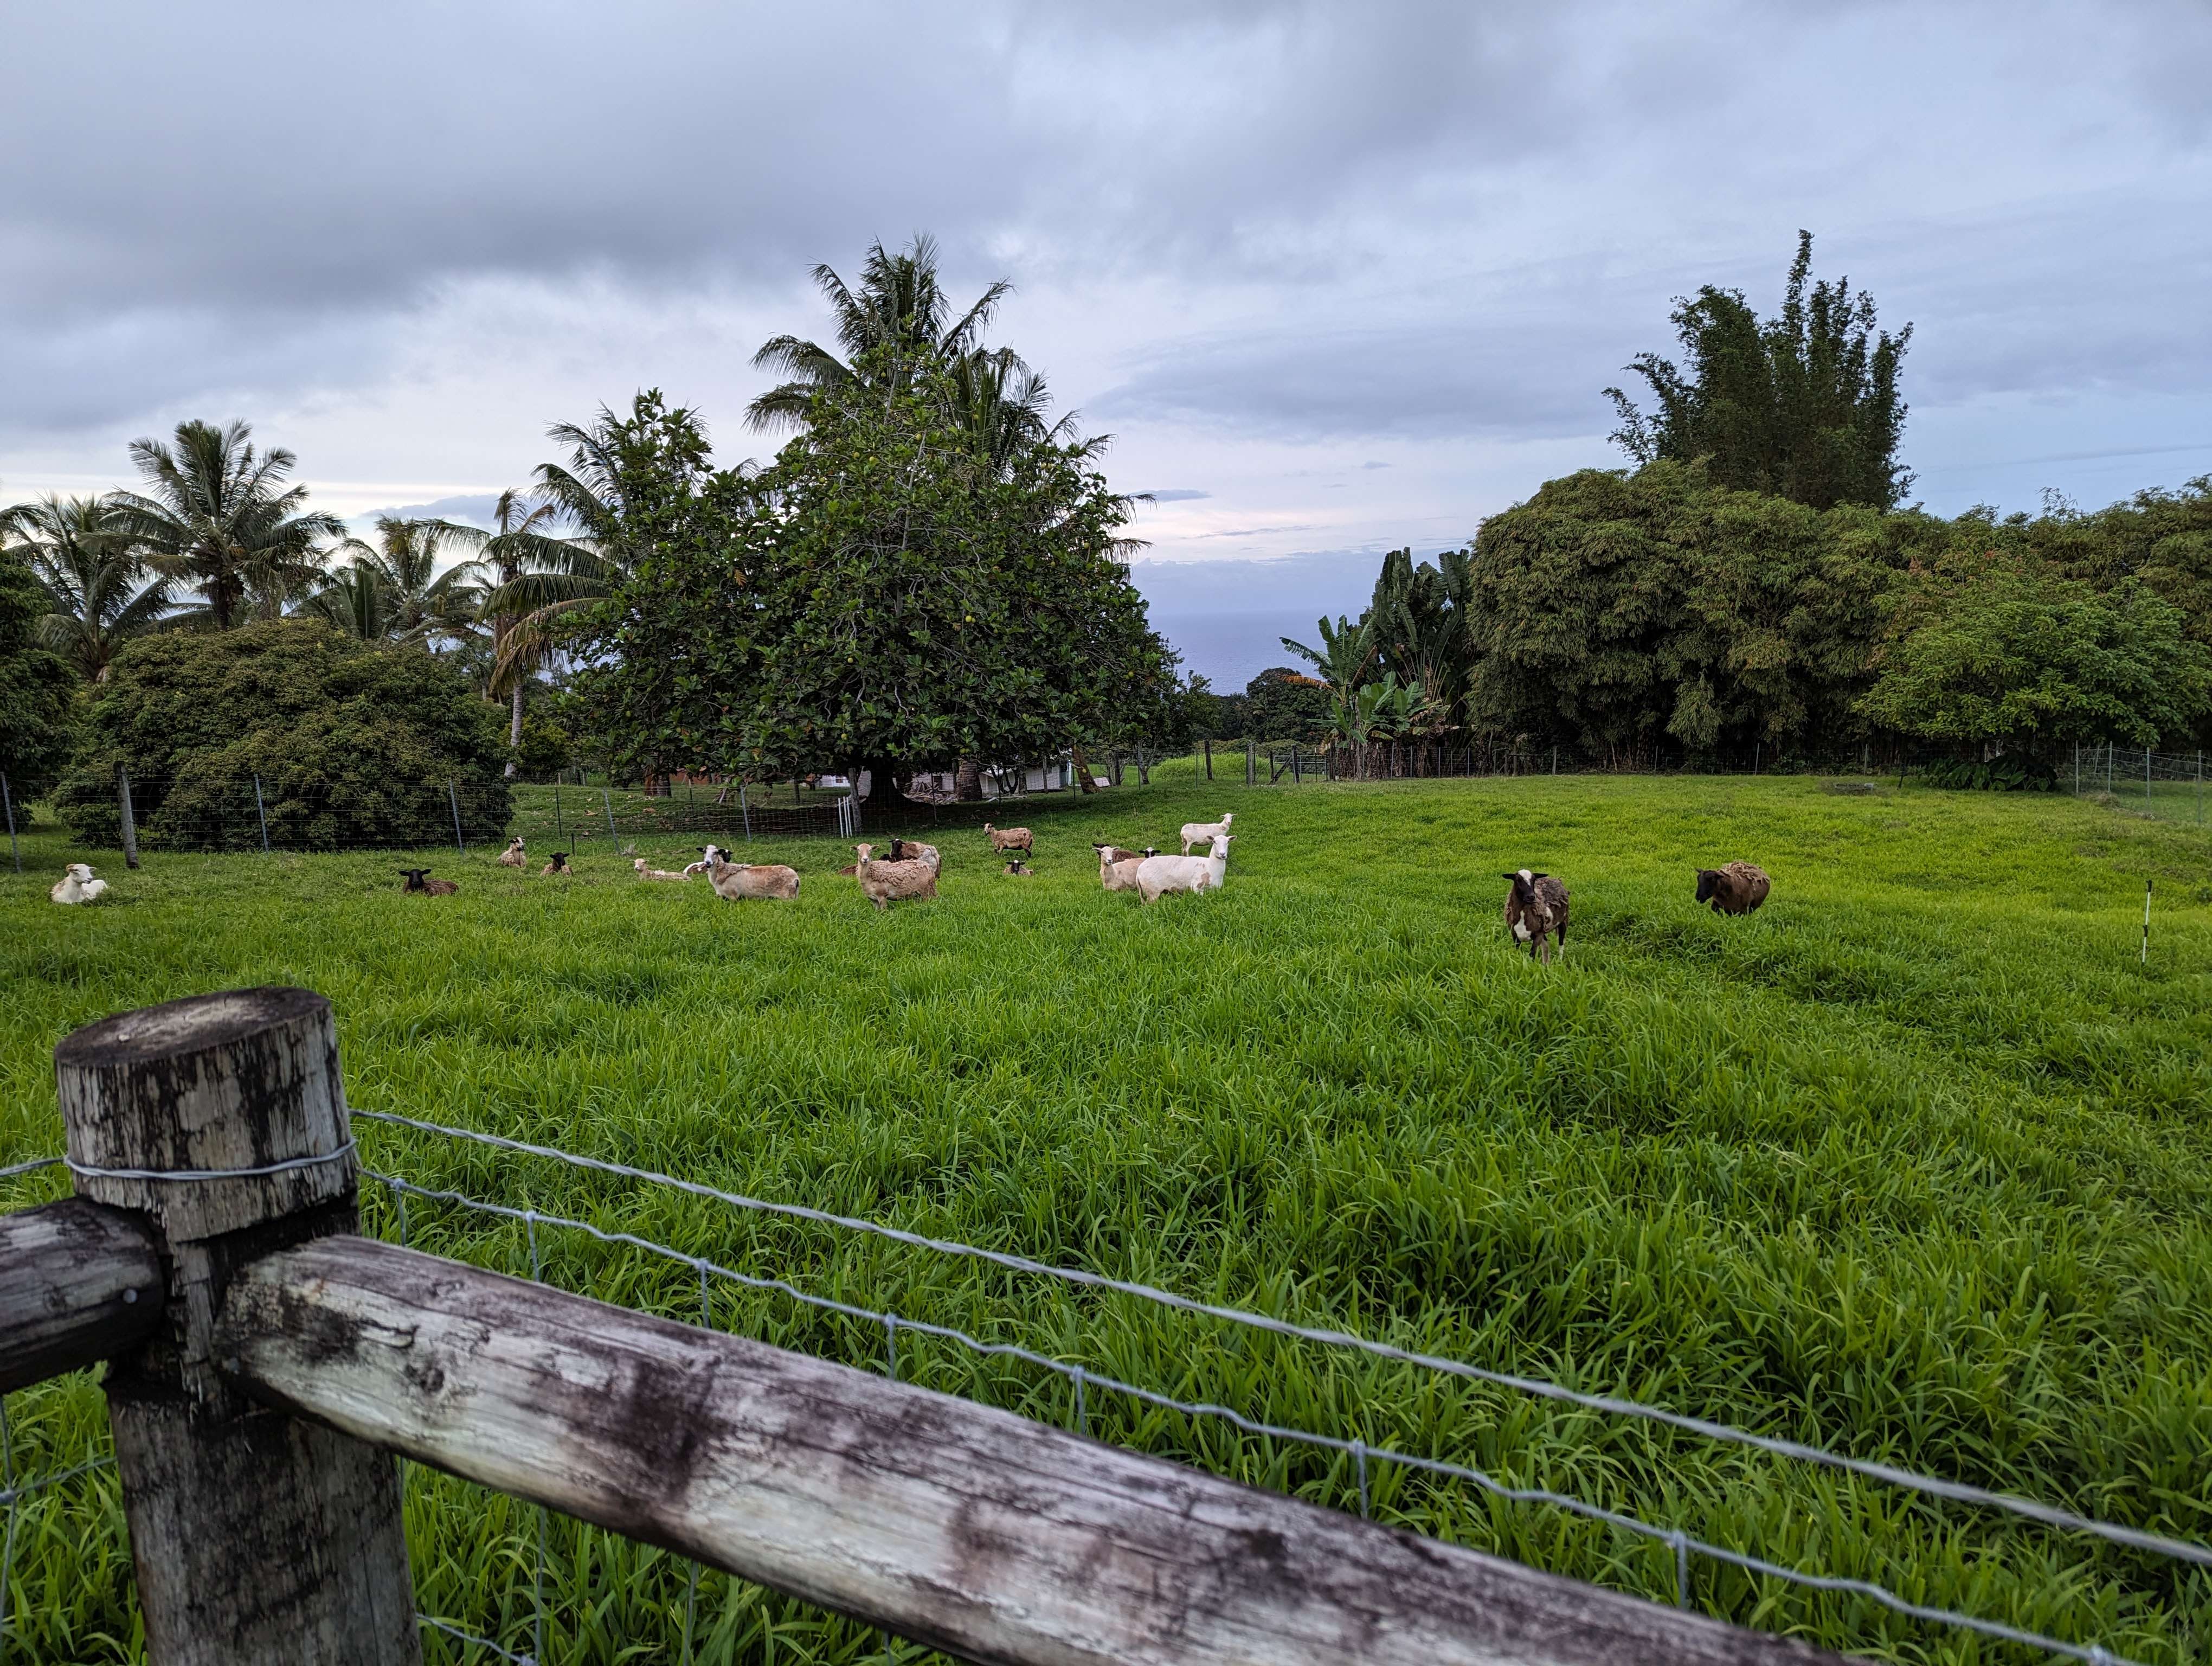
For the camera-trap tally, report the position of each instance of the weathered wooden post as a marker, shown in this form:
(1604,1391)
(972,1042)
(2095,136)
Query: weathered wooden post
(258,1538)
(129,820)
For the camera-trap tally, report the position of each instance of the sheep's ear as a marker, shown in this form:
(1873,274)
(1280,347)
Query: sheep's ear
(1509,875)
(1539,874)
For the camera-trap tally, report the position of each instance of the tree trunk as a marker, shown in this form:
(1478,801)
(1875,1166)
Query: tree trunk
(968,781)
(514,732)
(1084,778)
(883,786)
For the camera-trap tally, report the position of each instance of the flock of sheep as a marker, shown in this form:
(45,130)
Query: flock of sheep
(1536,904)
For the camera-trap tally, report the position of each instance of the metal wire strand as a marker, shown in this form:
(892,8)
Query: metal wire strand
(471,1640)
(1933,1486)
(1683,1543)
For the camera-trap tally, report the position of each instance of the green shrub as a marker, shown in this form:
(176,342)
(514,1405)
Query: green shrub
(2004,775)
(351,744)
(37,692)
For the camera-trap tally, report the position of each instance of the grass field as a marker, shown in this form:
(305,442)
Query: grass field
(1913,1163)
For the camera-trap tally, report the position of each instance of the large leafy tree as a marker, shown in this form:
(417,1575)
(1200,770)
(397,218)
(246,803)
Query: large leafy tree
(99,594)
(37,687)
(1804,404)
(216,516)
(887,596)
(2000,654)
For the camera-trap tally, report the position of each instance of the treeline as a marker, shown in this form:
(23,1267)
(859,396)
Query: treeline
(1655,618)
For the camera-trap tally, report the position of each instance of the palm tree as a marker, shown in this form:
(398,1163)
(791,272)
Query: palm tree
(94,577)
(217,516)
(393,593)
(900,304)
(1346,651)
(528,576)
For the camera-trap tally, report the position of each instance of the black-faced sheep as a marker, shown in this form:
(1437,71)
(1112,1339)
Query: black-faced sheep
(1536,911)
(557,863)
(1736,889)
(418,880)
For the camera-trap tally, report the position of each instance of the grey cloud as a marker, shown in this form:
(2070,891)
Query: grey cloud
(1174,495)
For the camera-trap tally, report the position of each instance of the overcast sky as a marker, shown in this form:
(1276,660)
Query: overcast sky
(1337,277)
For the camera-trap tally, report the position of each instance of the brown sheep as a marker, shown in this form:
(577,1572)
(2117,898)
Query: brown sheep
(884,883)
(1117,868)
(1536,910)
(418,880)
(1019,869)
(557,863)
(733,882)
(1003,839)
(1115,852)
(1736,889)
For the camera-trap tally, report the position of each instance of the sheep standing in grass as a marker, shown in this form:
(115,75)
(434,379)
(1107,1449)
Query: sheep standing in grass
(885,883)
(557,863)
(1199,832)
(1003,839)
(1117,868)
(733,882)
(77,885)
(645,873)
(1736,889)
(418,878)
(1536,911)
(1158,875)
(512,856)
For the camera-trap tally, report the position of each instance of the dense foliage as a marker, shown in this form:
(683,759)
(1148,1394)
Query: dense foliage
(888,595)
(37,687)
(351,744)
(1804,404)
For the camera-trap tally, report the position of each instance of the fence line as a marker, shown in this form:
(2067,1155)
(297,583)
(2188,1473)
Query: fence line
(1958,1491)
(1684,1544)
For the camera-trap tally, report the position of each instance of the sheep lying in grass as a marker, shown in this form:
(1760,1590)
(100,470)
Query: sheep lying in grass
(557,863)
(512,856)
(1003,839)
(708,855)
(1736,889)
(77,885)
(885,883)
(418,878)
(733,882)
(1536,910)
(1199,832)
(1117,868)
(1158,875)
(645,873)
(903,850)
(1019,869)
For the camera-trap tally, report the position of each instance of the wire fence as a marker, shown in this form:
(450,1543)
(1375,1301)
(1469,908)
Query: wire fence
(2168,785)
(1358,1467)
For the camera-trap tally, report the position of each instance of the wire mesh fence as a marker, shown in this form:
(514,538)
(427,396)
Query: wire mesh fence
(2168,785)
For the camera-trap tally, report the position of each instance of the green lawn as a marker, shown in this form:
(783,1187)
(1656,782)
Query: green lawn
(1913,1163)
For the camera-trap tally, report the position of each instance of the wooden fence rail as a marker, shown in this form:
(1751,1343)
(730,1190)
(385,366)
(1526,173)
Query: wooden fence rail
(270,1363)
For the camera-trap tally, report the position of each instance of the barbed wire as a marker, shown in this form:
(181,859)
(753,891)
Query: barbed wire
(1933,1485)
(1683,1543)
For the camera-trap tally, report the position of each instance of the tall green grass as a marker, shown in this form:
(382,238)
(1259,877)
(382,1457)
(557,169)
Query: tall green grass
(1913,1163)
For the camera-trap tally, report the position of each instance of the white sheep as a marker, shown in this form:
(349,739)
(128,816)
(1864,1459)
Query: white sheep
(733,882)
(645,873)
(512,856)
(708,855)
(77,885)
(1199,832)
(1158,875)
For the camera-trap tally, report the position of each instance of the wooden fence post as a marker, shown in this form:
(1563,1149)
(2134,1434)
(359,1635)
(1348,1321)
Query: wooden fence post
(258,1538)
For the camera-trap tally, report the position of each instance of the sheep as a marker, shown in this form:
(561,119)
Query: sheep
(1158,875)
(418,880)
(557,863)
(1199,832)
(512,856)
(1010,838)
(1117,868)
(77,885)
(710,854)
(735,881)
(884,883)
(1535,908)
(912,850)
(1019,869)
(1736,889)
(645,873)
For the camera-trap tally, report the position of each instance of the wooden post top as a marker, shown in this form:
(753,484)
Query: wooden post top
(211,1086)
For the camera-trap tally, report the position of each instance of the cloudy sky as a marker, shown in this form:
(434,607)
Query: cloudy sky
(1337,277)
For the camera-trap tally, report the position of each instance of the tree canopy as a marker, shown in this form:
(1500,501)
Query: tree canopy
(37,687)
(1804,405)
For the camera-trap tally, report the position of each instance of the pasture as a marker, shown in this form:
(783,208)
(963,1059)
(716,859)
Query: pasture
(1916,1162)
